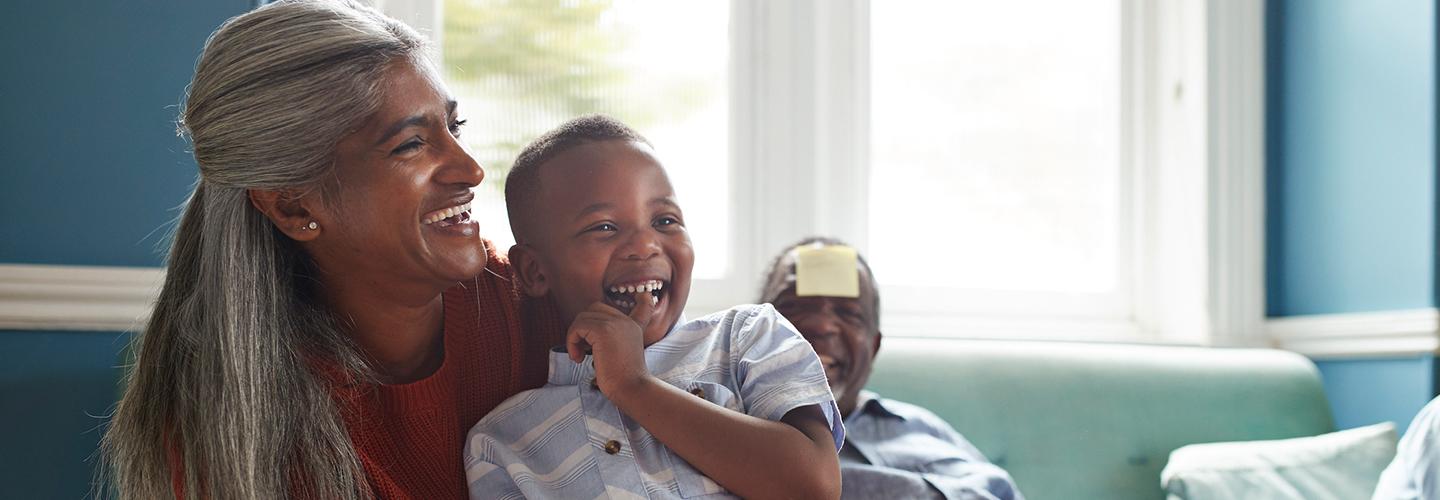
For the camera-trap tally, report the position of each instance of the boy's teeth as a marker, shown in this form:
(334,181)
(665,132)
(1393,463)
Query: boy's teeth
(648,286)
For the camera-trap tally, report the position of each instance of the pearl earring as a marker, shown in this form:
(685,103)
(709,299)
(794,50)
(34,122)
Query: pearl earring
(312,226)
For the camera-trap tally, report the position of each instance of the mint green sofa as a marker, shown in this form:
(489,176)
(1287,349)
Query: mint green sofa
(1077,421)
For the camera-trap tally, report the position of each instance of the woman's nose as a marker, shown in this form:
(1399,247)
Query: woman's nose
(460,167)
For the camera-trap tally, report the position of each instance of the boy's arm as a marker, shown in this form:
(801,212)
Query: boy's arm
(750,456)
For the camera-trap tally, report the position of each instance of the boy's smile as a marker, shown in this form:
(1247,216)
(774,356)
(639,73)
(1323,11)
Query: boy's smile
(609,228)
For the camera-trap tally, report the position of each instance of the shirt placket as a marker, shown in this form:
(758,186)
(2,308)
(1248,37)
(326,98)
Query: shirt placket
(611,445)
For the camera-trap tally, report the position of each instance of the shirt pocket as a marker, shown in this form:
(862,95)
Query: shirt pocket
(690,481)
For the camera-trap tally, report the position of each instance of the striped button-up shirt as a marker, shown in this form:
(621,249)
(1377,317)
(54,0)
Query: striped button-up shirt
(566,440)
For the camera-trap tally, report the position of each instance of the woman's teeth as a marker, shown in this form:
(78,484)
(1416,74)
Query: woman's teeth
(446,213)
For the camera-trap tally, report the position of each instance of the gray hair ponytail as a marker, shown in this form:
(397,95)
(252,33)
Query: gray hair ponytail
(226,385)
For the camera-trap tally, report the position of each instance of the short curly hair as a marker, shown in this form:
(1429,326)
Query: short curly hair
(522,184)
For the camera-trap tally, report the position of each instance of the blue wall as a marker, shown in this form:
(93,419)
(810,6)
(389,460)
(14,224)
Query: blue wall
(90,170)
(93,166)
(56,387)
(1351,183)
(1369,391)
(1352,190)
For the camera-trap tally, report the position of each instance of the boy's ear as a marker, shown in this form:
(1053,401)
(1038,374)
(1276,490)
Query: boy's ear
(526,266)
(288,212)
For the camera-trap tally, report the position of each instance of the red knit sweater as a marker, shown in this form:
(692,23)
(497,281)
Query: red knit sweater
(410,437)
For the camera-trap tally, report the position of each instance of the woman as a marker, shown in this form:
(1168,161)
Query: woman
(331,323)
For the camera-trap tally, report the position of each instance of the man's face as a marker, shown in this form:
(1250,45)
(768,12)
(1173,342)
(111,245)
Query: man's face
(608,221)
(843,331)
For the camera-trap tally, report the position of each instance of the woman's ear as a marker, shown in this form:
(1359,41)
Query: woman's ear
(287,211)
(527,268)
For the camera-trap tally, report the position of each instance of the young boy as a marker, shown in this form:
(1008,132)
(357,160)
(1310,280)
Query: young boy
(639,405)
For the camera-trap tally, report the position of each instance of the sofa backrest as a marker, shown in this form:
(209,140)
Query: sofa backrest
(1098,421)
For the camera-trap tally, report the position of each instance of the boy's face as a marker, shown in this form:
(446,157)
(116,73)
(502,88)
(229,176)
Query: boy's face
(608,220)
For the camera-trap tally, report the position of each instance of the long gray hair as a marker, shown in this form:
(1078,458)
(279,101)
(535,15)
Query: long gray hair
(229,391)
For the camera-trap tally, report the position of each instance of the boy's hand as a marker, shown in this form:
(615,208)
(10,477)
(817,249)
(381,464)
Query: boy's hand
(615,340)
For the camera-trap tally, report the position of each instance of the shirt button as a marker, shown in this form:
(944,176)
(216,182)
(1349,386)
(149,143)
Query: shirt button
(612,447)
(698,392)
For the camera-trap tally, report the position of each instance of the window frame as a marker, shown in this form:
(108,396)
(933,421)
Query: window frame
(1192,172)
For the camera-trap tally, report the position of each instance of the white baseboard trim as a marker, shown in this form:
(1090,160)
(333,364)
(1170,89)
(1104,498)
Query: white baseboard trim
(1369,334)
(76,298)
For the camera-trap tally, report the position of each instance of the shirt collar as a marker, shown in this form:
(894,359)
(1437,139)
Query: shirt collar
(566,372)
(872,403)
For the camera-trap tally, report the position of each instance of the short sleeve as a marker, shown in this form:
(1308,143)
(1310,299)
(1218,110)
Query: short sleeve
(777,370)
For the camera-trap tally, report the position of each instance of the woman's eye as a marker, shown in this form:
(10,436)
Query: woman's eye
(455,127)
(408,146)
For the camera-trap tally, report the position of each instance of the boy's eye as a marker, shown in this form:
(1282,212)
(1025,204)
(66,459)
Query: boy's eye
(666,221)
(604,226)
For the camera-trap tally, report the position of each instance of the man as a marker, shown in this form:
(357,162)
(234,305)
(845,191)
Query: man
(892,449)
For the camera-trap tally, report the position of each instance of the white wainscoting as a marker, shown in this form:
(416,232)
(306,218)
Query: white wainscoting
(1369,334)
(79,298)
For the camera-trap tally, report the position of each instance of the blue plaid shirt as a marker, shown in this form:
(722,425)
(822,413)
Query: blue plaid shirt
(566,440)
(899,450)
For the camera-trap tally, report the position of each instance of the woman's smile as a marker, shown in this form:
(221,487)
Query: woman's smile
(452,221)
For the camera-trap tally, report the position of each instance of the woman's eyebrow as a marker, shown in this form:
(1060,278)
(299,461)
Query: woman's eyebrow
(420,119)
(397,127)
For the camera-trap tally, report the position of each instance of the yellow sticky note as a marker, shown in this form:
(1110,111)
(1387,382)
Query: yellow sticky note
(827,271)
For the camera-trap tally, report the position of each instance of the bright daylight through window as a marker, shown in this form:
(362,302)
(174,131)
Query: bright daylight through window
(996,143)
(1006,166)
(521,68)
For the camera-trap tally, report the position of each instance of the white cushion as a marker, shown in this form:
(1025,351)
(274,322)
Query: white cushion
(1339,465)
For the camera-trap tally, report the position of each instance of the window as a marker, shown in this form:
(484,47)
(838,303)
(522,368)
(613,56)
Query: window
(996,141)
(1036,168)
(521,68)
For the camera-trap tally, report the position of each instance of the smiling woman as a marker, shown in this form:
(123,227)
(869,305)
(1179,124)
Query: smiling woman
(331,320)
